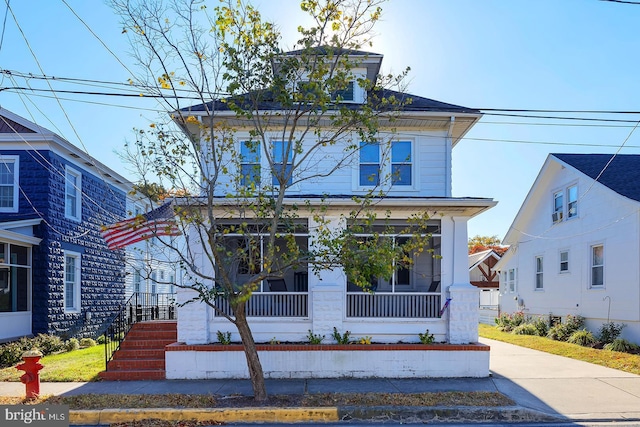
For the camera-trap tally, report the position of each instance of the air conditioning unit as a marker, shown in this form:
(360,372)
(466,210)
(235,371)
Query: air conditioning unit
(556,216)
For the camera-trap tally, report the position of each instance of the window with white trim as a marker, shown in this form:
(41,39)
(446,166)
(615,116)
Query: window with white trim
(72,280)
(345,95)
(597,266)
(282,162)
(539,273)
(565,204)
(401,163)
(73,194)
(572,201)
(249,163)
(137,280)
(369,174)
(15,278)
(154,282)
(558,206)
(564,261)
(9,183)
(511,280)
(378,163)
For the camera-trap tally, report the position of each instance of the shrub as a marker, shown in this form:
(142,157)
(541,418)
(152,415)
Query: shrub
(224,338)
(341,338)
(426,338)
(582,337)
(72,344)
(610,331)
(525,329)
(314,338)
(102,339)
(87,342)
(562,331)
(508,322)
(47,344)
(10,354)
(541,325)
(623,345)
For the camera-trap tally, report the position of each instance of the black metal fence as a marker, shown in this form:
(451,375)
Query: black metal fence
(141,307)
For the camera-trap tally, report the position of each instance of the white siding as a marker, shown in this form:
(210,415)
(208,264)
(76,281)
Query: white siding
(431,165)
(604,217)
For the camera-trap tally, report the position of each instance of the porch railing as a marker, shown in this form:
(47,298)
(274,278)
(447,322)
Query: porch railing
(139,308)
(272,304)
(401,305)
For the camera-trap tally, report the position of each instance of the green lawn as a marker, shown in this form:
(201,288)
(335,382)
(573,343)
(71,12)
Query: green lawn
(78,365)
(611,359)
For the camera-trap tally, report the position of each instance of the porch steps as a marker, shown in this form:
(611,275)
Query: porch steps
(141,354)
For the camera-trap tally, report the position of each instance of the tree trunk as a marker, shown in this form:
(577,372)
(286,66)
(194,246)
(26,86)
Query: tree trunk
(253,361)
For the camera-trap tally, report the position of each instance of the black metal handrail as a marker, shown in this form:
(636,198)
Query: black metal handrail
(140,307)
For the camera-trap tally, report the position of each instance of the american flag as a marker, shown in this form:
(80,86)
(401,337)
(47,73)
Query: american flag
(158,222)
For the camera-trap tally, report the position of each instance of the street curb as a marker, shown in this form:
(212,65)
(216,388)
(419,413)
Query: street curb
(408,414)
(325,414)
(274,415)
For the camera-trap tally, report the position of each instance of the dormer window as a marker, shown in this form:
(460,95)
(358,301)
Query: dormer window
(345,95)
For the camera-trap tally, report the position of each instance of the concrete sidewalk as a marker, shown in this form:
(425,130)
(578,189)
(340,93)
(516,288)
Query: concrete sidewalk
(552,384)
(543,386)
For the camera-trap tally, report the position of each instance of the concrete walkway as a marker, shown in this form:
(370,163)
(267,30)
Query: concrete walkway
(538,382)
(559,385)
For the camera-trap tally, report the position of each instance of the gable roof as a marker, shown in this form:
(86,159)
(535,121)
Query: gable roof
(479,257)
(620,173)
(18,133)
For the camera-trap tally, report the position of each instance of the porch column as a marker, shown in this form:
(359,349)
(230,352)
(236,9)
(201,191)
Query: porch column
(465,299)
(194,317)
(326,289)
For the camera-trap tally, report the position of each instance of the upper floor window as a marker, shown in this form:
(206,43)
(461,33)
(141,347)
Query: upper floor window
(401,162)
(73,194)
(539,272)
(565,200)
(369,164)
(345,95)
(9,167)
(282,162)
(72,281)
(249,163)
(374,162)
(558,206)
(597,266)
(572,201)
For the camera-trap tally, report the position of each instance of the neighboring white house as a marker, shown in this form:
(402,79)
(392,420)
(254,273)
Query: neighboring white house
(575,243)
(401,308)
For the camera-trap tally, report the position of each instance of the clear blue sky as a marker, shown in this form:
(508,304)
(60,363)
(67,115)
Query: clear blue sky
(502,54)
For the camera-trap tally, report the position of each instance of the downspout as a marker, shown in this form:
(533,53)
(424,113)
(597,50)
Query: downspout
(448,156)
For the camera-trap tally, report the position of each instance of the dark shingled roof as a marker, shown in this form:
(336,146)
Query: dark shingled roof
(622,175)
(9,126)
(417,103)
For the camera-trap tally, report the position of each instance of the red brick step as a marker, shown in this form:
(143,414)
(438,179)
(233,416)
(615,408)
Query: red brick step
(141,354)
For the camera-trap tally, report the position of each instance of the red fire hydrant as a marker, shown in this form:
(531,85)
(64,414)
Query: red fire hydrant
(31,376)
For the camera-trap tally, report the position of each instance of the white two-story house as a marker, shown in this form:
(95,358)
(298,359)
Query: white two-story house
(421,138)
